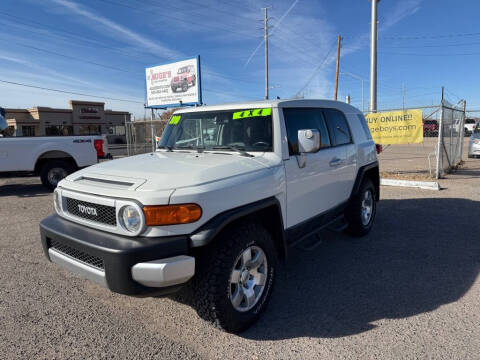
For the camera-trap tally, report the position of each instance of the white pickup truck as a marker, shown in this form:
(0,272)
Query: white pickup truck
(52,158)
(229,189)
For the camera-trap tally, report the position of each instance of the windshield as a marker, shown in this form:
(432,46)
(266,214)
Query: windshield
(231,130)
(182,70)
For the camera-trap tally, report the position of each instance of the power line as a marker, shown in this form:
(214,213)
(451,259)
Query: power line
(314,72)
(68,92)
(420,37)
(417,54)
(189,22)
(429,46)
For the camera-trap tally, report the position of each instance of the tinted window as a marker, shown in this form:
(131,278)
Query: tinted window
(337,127)
(365,128)
(300,119)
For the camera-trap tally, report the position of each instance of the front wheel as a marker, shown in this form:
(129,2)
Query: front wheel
(235,278)
(361,211)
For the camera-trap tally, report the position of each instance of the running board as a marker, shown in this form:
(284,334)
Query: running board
(338,224)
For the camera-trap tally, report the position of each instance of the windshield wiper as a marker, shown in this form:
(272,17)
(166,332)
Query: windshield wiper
(238,149)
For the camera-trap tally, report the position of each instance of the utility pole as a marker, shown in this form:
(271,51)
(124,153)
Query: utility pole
(265,25)
(338,66)
(373,58)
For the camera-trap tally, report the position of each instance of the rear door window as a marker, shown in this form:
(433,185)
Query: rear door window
(337,127)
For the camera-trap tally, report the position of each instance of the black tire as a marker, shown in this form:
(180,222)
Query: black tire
(194,81)
(212,287)
(184,86)
(62,169)
(357,224)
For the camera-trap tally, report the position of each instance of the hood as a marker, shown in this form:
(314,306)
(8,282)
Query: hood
(171,170)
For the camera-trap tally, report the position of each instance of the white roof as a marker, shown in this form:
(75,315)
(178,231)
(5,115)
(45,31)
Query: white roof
(274,103)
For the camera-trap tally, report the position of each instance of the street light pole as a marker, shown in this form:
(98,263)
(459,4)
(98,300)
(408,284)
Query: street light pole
(373,58)
(266,52)
(358,78)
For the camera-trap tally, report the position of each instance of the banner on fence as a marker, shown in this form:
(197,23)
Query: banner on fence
(396,127)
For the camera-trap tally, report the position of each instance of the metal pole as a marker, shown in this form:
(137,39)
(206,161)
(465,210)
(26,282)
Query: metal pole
(363,100)
(152,132)
(462,129)
(338,66)
(373,58)
(439,142)
(266,51)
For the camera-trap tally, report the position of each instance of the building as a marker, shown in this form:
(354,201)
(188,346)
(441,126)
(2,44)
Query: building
(83,118)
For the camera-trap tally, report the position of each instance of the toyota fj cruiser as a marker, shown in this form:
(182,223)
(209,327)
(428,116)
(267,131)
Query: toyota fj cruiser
(229,189)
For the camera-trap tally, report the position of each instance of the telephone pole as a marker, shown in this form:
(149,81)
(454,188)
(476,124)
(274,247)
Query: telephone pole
(373,58)
(338,66)
(265,25)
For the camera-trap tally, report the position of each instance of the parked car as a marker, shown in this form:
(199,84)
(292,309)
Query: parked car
(430,128)
(216,216)
(51,158)
(474,143)
(469,126)
(184,79)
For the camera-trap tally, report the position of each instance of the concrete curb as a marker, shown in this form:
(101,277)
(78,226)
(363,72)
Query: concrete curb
(427,185)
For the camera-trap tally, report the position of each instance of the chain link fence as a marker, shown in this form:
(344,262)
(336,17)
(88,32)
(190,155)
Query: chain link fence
(441,150)
(141,136)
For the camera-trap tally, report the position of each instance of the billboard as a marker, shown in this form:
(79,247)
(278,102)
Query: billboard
(3,120)
(174,84)
(396,127)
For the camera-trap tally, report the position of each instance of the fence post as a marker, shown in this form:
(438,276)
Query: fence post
(462,129)
(440,141)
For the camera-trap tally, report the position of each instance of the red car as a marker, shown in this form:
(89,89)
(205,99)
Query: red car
(184,79)
(430,128)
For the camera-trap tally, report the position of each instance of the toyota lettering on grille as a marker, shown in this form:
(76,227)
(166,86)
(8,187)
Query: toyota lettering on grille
(87,210)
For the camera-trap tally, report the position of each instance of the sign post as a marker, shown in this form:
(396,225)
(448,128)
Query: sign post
(175,84)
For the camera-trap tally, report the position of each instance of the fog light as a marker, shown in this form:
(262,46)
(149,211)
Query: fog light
(130,218)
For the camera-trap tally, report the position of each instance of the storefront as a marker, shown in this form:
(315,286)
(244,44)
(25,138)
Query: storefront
(83,118)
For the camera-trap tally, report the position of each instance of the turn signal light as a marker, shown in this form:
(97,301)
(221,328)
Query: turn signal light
(171,214)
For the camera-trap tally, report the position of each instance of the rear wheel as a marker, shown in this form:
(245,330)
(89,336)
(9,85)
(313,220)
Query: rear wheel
(235,278)
(184,86)
(53,171)
(362,209)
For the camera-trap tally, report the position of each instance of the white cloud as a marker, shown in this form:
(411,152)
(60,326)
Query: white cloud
(153,46)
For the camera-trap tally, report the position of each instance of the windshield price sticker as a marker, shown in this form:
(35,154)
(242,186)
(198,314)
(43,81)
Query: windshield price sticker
(175,120)
(252,113)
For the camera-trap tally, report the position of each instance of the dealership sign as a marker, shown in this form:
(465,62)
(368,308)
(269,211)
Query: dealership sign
(174,84)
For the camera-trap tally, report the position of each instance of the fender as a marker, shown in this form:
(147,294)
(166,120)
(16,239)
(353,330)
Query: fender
(361,174)
(207,232)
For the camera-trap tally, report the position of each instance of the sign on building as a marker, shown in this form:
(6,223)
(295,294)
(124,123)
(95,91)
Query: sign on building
(174,84)
(396,127)
(3,120)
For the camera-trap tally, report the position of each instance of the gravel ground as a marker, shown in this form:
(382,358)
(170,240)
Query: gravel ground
(410,289)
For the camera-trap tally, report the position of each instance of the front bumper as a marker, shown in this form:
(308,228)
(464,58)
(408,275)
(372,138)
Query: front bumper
(474,150)
(126,265)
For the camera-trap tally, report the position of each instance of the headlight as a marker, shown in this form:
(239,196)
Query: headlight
(56,201)
(130,218)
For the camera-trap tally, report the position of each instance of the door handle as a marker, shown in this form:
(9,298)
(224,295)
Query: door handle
(335,162)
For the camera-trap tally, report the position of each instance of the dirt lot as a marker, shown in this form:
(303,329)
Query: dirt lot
(410,289)
(411,161)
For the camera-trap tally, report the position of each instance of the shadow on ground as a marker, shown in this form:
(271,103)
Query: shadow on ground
(421,254)
(23,190)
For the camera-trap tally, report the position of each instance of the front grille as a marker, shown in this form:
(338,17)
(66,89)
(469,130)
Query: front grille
(94,212)
(85,258)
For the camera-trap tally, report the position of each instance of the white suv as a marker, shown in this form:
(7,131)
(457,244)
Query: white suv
(230,188)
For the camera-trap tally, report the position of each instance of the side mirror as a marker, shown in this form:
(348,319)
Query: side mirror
(308,141)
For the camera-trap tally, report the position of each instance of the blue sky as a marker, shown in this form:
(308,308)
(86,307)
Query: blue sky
(101,47)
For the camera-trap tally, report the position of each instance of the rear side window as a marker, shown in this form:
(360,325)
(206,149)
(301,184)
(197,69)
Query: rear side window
(337,127)
(365,128)
(304,118)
